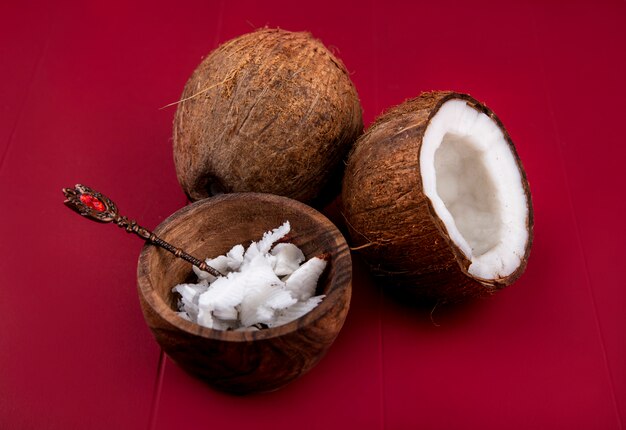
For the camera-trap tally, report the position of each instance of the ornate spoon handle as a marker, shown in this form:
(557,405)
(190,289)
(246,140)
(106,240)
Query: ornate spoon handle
(98,207)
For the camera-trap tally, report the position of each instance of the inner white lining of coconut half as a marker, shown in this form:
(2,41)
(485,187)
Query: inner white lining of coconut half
(472,179)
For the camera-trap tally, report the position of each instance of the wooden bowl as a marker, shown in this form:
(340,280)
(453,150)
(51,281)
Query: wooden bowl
(244,362)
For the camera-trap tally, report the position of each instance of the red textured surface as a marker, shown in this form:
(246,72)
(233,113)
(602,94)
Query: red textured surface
(81,87)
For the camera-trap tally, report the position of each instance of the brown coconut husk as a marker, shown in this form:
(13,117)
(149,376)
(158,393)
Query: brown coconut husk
(391,221)
(271,111)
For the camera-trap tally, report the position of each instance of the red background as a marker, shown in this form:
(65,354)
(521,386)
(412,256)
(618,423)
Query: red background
(81,87)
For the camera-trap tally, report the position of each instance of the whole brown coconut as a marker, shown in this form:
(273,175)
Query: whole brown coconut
(271,111)
(436,199)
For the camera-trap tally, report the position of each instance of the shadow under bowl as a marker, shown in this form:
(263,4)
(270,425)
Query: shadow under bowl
(243,362)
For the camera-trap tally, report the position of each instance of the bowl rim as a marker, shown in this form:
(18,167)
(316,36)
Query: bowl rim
(161,308)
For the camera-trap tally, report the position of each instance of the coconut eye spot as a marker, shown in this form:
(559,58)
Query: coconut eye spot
(473,180)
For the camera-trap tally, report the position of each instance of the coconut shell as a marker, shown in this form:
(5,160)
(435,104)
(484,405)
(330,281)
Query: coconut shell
(392,223)
(271,111)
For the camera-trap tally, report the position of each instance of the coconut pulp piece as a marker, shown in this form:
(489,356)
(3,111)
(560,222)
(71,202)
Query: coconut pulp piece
(264,284)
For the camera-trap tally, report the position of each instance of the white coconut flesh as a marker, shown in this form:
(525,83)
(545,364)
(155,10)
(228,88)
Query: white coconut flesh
(473,181)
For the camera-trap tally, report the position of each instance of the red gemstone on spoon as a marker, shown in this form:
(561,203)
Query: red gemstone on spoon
(92,202)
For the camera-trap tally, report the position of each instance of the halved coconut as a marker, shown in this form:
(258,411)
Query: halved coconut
(436,199)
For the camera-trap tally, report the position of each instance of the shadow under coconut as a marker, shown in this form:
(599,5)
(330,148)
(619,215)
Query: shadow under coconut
(432,311)
(426,312)
(332,210)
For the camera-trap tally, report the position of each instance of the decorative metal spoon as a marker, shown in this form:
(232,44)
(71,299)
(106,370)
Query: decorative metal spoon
(98,207)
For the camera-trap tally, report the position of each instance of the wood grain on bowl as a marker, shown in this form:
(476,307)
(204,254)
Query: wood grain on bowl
(234,361)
